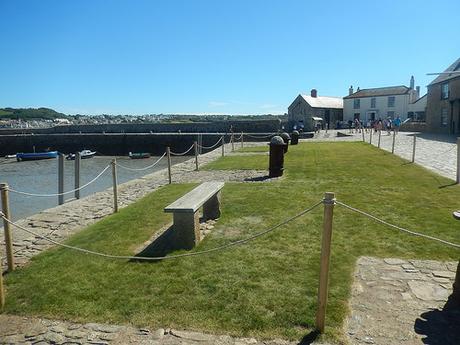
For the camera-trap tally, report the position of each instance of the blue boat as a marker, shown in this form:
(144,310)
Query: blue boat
(35,156)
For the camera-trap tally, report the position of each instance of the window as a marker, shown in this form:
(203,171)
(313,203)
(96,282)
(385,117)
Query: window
(444,117)
(391,114)
(373,102)
(391,102)
(356,103)
(445,91)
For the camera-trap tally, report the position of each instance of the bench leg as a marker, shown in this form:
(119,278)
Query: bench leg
(187,230)
(211,208)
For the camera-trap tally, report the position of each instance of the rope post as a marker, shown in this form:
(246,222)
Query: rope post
(393,145)
(7,226)
(2,292)
(458,160)
(195,145)
(329,201)
(61,179)
(223,146)
(77,175)
(168,153)
(233,142)
(413,148)
(370,136)
(362,131)
(242,141)
(380,134)
(115,185)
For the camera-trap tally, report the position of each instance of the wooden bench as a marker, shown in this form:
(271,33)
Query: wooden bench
(186,225)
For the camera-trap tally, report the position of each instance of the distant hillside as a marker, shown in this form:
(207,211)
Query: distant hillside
(30,113)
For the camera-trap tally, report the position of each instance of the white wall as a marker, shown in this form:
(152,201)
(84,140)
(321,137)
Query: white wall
(381,107)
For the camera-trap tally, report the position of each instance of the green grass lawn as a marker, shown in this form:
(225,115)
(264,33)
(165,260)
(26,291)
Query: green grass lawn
(268,287)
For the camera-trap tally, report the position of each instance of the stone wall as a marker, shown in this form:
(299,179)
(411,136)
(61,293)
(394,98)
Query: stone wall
(435,105)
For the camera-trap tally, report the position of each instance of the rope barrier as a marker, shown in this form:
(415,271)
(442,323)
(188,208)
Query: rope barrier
(182,153)
(144,168)
(259,137)
(126,257)
(211,147)
(64,193)
(397,227)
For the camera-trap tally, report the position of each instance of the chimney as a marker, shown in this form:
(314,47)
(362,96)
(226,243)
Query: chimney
(412,83)
(358,89)
(314,93)
(350,90)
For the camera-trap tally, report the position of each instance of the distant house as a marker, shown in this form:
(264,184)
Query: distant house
(382,102)
(305,110)
(443,103)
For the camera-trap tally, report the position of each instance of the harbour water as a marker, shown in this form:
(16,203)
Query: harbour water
(41,177)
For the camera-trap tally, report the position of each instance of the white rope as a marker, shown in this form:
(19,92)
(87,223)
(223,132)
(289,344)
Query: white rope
(211,147)
(259,137)
(239,138)
(144,168)
(123,257)
(64,193)
(182,153)
(397,227)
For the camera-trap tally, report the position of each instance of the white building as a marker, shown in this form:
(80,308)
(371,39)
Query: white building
(380,103)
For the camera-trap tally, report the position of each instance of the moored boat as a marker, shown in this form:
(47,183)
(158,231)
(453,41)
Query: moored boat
(85,154)
(139,155)
(31,156)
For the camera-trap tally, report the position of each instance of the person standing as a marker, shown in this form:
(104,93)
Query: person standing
(397,124)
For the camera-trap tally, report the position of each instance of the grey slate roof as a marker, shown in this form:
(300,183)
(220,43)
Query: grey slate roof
(444,77)
(324,102)
(380,91)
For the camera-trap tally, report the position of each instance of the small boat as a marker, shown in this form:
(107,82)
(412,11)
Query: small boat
(36,155)
(83,155)
(139,155)
(10,156)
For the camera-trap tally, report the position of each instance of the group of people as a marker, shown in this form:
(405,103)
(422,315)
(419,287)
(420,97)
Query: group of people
(376,125)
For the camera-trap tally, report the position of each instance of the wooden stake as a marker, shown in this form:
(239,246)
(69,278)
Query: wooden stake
(168,153)
(61,179)
(242,141)
(7,226)
(233,142)
(370,136)
(2,291)
(458,160)
(77,175)
(115,185)
(329,201)
(223,146)
(362,131)
(196,155)
(413,148)
(380,134)
(393,145)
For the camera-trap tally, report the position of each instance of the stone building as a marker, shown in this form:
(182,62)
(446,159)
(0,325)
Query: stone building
(443,102)
(307,109)
(383,102)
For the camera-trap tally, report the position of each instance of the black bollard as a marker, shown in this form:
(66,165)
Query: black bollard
(286,139)
(276,161)
(295,138)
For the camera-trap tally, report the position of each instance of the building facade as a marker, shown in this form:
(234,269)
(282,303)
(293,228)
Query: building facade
(306,110)
(380,103)
(443,101)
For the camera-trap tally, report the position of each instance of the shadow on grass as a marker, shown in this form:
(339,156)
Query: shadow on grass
(258,178)
(159,247)
(448,185)
(309,338)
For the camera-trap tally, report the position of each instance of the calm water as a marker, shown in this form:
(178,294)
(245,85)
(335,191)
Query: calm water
(41,177)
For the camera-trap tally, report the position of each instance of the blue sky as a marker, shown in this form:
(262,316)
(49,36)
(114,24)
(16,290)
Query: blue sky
(230,57)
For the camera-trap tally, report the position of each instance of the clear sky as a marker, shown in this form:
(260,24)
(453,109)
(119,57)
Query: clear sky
(230,57)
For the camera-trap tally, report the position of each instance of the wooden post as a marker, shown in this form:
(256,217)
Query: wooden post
(196,155)
(329,201)
(380,134)
(77,175)
(61,179)
(115,185)
(168,154)
(362,131)
(393,145)
(223,146)
(7,226)
(413,148)
(370,135)
(233,142)
(2,290)
(242,141)
(458,160)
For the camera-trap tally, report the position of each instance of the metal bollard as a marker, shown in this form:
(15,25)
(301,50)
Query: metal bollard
(276,158)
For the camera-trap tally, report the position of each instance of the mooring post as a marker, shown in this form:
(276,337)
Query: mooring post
(168,153)
(115,185)
(77,175)
(380,134)
(393,144)
(223,146)
(196,155)
(370,135)
(458,160)
(413,148)
(61,179)
(7,226)
(233,142)
(329,202)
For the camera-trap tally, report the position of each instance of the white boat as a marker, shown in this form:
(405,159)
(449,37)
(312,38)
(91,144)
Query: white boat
(83,155)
